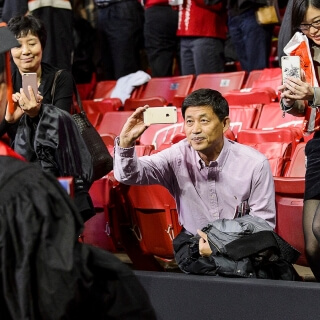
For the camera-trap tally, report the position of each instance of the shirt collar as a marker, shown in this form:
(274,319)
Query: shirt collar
(219,163)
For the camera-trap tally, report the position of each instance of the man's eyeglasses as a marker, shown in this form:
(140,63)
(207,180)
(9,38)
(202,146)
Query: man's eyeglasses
(306,26)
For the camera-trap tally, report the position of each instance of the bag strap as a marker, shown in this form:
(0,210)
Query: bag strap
(75,90)
(53,89)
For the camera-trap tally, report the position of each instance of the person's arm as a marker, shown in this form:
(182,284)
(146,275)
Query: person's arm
(133,170)
(133,128)
(262,197)
(130,169)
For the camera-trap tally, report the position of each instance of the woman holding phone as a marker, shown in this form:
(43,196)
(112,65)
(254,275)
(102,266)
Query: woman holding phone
(27,58)
(295,95)
(40,127)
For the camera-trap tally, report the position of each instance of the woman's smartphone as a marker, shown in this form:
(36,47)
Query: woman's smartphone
(160,115)
(29,79)
(290,66)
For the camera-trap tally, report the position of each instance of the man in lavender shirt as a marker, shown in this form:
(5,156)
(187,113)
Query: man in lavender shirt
(209,176)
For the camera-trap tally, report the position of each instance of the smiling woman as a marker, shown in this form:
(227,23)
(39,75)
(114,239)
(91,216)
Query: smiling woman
(32,36)
(27,57)
(40,127)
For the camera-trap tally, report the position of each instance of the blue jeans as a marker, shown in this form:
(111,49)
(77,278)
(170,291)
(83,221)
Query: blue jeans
(251,40)
(201,55)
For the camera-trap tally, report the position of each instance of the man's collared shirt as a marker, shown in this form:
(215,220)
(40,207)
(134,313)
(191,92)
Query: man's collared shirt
(203,193)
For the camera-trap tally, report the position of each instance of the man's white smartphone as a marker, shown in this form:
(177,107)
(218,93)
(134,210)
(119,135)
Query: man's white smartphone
(160,115)
(29,79)
(290,66)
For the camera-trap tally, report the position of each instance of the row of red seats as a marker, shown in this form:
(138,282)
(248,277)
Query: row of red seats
(259,86)
(143,229)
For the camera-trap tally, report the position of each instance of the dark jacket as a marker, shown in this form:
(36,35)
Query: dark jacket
(242,247)
(45,272)
(53,141)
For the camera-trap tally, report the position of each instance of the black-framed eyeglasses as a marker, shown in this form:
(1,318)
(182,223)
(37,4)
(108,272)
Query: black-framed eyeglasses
(305,27)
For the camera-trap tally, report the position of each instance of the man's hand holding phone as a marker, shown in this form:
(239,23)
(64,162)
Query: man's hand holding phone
(133,128)
(160,115)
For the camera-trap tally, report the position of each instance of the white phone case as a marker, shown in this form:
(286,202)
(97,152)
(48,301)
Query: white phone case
(160,115)
(290,66)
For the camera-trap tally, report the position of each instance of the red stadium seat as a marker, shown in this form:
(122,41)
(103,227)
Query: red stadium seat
(243,117)
(144,221)
(222,82)
(161,91)
(272,117)
(95,233)
(297,163)
(101,100)
(289,135)
(94,118)
(289,208)
(277,144)
(261,88)
(113,121)
(252,76)
(289,202)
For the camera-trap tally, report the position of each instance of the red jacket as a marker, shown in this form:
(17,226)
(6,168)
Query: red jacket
(199,20)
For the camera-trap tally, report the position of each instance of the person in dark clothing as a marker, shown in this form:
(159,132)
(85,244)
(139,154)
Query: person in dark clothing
(285,32)
(120,27)
(57,17)
(32,36)
(12,8)
(45,272)
(249,37)
(160,40)
(44,144)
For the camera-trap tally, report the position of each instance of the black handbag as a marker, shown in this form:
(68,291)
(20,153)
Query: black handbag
(102,160)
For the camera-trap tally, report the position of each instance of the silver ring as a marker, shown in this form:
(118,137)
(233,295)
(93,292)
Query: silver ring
(21,105)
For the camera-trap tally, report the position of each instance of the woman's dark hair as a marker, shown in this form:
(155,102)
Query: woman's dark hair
(299,9)
(21,25)
(207,98)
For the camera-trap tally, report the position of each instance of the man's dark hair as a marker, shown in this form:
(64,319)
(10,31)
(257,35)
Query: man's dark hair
(21,25)
(207,98)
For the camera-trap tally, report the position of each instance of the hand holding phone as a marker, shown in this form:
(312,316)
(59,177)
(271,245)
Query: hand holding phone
(30,79)
(290,66)
(161,115)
